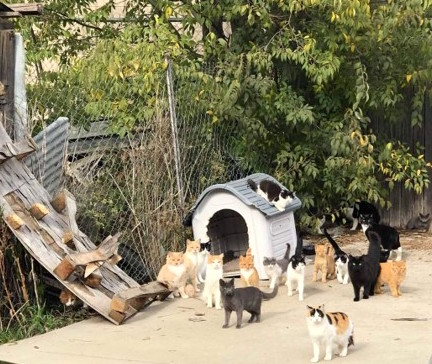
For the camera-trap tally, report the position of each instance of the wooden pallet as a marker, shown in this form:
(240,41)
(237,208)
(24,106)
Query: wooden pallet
(48,230)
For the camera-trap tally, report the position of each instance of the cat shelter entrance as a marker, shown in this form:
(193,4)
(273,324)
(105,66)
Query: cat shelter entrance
(228,234)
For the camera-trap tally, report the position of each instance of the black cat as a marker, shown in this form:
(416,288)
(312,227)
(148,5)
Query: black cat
(389,236)
(363,208)
(364,270)
(239,299)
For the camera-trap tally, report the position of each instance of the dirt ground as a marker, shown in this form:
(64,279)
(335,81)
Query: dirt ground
(386,329)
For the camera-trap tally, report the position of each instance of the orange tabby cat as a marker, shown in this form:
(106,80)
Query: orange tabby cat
(324,262)
(248,273)
(191,260)
(174,274)
(392,273)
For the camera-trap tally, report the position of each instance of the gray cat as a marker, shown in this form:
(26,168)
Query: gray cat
(276,268)
(419,222)
(242,299)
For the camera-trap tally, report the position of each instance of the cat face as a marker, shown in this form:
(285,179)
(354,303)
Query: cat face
(175,258)
(269,262)
(227,288)
(298,262)
(315,315)
(193,246)
(246,262)
(341,259)
(366,219)
(215,261)
(398,268)
(68,298)
(205,246)
(322,249)
(356,263)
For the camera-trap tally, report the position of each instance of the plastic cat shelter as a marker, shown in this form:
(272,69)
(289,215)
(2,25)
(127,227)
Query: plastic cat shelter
(233,218)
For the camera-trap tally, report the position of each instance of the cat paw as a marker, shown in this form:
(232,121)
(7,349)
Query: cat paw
(225,326)
(365,297)
(300,298)
(314,360)
(290,293)
(356,299)
(218,308)
(238,326)
(209,306)
(185,296)
(327,357)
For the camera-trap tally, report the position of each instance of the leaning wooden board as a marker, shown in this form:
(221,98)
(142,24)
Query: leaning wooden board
(43,235)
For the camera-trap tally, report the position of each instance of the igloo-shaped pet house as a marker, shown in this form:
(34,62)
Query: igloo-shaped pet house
(233,218)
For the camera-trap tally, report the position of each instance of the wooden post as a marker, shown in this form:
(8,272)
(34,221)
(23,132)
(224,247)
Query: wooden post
(7,75)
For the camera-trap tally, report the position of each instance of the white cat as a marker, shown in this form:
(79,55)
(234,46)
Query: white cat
(214,273)
(329,329)
(296,274)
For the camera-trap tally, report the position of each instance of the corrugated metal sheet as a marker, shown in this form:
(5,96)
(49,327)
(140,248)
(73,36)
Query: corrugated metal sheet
(46,162)
(241,189)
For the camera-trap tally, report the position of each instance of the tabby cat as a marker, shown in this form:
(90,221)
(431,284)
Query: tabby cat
(392,273)
(364,270)
(214,272)
(419,222)
(276,268)
(273,193)
(248,273)
(329,329)
(388,235)
(174,274)
(242,299)
(324,262)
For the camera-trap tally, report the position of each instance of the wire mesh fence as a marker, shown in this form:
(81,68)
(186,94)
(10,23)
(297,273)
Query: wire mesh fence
(133,182)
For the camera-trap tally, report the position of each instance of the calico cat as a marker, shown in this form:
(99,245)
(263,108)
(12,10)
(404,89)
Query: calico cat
(389,236)
(214,272)
(341,260)
(329,329)
(202,258)
(419,222)
(248,273)
(392,273)
(174,274)
(242,299)
(191,261)
(276,268)
(70,300)
(273,193)
(324,262)
(364,270)
(362,208)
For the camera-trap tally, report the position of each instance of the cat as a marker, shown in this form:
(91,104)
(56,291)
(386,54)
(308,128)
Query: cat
(276,268)
(296,274)
(389,236)
(243,299)
(329,329)
(69,299)
(341,260)
(364,270)
(191,261)
(392,273)
(214,272)
(203,254)
(324,262)
(273,193)
(174,274)
(419,222)
(362,208)
(248,273)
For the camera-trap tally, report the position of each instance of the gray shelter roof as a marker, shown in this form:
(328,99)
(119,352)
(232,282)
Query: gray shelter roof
(242,190)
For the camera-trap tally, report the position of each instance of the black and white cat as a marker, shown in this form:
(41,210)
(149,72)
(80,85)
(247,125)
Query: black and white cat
(362,208)
(202,261)
(296,270)
(341,260)
(242,299)
(419,222)
(276,268)
(273,193)
(389,236)
(364,269)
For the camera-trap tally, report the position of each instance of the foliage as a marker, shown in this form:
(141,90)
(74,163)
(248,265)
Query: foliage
(296,82)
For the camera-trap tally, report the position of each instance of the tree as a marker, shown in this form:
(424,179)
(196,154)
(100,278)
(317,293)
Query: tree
(297,81)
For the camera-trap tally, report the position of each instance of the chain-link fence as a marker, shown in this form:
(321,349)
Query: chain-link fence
(140,183)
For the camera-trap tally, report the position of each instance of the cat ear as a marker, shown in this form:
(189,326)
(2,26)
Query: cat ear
(309,307)
(221,255)
(322,308)
(231,281)
(222,282)
(199,240)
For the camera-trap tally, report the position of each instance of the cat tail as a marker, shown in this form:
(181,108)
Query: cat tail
(252,184)
(299,246)
(273,294)
(287,253)
(333,243)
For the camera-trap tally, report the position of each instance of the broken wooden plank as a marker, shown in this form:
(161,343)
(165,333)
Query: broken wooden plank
(38,211)
(28,8)
(18,150)
(137,297)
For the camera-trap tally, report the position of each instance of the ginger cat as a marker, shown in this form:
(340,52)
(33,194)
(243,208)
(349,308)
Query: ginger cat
(324,262)
(248,273)
(193,248)
(392,273)
(174,274)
